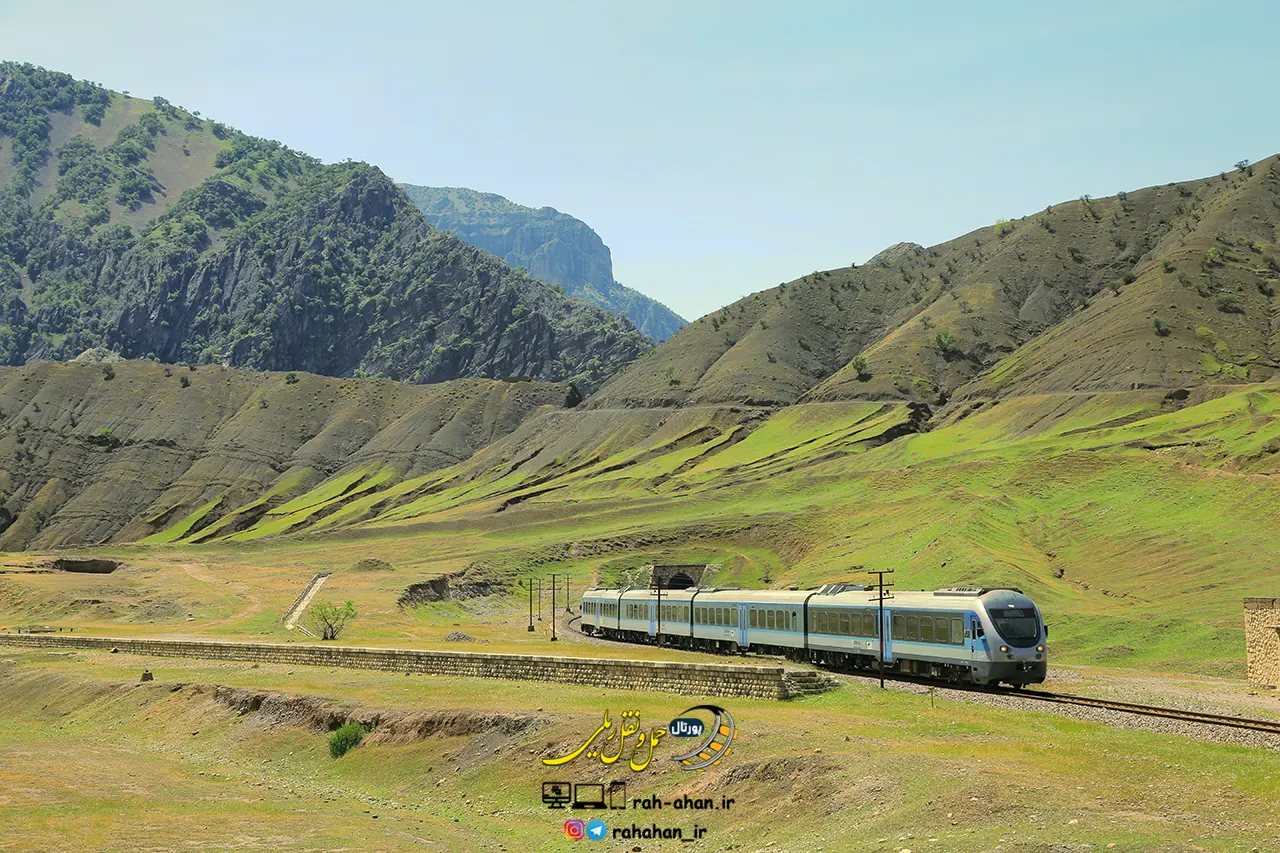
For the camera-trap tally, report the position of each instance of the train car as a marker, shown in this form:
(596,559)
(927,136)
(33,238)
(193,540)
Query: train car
(974,635)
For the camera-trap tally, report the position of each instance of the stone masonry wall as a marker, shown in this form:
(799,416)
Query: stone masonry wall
(1262,640)
(697,679)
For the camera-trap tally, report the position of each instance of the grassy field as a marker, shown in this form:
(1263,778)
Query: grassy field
(857,769)
(1132,521)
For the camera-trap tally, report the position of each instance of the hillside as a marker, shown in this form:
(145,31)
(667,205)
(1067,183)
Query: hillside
(95,452)
(1165,287)
(553,246)
(142,227)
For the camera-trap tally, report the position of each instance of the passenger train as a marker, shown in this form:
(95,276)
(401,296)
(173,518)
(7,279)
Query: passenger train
(970,635)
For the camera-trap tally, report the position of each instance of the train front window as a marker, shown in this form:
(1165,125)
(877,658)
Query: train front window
(1019,626)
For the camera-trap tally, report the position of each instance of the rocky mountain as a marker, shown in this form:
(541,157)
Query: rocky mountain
(142,227)
(1164,287)
(553,246)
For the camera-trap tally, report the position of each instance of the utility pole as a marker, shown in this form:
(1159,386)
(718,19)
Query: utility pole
(553,608)
(881,597)
(568,602)
(657,577)
(530,605)
(539,599)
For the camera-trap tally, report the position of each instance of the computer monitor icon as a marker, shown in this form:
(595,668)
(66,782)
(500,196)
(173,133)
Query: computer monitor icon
(588,796)
(556,794)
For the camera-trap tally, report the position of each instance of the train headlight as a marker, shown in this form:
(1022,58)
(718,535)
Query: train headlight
(1004,648)
(1040,648)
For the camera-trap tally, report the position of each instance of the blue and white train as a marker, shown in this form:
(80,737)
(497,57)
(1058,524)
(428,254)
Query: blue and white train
(970,635)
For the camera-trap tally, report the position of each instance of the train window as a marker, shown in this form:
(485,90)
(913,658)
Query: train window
(869,625)
(770,618)
(957,631)
(943,630)
(926,629)
(844,624)
(822,622)
(733,617)
(899,627)
(913,627)
(751,617)
(719,615)
(795,621)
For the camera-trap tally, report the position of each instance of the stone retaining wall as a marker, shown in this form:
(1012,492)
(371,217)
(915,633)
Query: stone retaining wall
(1262,640)
(695,679)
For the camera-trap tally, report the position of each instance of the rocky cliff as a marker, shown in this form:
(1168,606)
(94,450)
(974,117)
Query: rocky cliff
(553,246)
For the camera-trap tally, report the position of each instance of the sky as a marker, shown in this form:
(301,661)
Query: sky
(718,148)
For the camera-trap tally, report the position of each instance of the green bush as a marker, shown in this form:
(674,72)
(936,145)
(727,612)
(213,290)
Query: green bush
(346,739)
(290,378)
(1161,327)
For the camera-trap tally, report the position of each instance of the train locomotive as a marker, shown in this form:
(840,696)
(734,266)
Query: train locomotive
(972,635)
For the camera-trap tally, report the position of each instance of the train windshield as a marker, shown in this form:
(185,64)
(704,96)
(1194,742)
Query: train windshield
(1019,626)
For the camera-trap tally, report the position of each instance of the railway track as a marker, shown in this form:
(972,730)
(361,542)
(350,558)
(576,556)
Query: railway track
(1224,720)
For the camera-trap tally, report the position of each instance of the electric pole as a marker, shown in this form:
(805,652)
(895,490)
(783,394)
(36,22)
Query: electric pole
(881,597)
(657,577)
(568,602)
(530,604)
(539,599)
(553,608)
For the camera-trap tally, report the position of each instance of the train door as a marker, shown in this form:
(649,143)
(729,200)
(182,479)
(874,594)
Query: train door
(742,625)
(977,639)
(653,619)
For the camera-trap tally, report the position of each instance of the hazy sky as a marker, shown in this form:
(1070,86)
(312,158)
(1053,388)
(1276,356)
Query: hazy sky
(718,148)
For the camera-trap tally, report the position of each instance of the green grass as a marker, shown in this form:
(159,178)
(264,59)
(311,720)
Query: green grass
(857,765)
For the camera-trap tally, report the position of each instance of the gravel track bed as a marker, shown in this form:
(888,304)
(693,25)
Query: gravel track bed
(1120,719)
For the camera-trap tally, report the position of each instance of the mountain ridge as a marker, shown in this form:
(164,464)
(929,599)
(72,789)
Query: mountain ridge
(145,228)
(553,246)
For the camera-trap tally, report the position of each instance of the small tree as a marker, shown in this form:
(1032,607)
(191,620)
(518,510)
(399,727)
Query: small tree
(330,619)
(859,365)
(184,381)
(1161,327)
(945,342)
(670,374)
(108,372)
(291,378)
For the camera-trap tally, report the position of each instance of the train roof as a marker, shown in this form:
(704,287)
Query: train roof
(830,594)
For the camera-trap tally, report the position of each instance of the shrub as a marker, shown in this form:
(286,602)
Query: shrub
(945,342)
(1228,304)
(346,739)
(291,378)
(184,381)
(1167,265)
(1162,328)
(859,365)
(108,372)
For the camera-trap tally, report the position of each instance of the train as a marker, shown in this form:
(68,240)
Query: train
(971,635)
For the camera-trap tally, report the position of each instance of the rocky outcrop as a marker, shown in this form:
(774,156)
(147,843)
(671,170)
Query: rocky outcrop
(553,246)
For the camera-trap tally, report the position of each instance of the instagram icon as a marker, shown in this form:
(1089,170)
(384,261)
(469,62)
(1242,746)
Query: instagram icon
(575,830)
